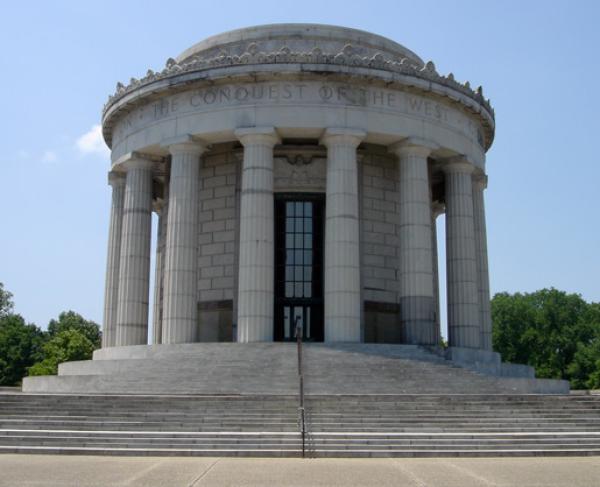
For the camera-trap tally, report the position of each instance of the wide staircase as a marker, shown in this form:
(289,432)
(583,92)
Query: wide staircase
(246,399)
(268,425)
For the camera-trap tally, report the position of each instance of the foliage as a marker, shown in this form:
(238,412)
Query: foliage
(69,320)
(555,332)
(25,348)
(66,345)
(6,304)
(585,368)
(20,346)
(71,337)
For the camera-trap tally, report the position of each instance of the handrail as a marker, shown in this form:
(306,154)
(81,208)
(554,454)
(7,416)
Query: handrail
(301,411)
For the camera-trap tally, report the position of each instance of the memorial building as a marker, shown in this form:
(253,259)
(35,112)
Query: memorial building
(297,171)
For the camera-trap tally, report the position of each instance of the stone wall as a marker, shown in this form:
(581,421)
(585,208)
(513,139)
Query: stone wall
(379,242)
(218,237)
(217,241)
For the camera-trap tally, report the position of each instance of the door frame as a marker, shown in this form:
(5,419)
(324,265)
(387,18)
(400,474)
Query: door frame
(316,302)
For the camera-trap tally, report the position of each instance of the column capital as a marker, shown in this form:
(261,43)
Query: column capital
(413,146)
(116,179)
(480,180)
(138,163)
(344,135)
(457,164)
(257,135)
(136,160)
(186,144)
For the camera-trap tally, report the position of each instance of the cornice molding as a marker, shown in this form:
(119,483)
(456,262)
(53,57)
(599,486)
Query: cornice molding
(345,57)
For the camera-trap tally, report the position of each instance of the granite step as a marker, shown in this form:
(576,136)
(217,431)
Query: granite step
(351,425)
(270,368)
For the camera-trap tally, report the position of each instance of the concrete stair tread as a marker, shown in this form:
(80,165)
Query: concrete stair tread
(270,368)
(350,425)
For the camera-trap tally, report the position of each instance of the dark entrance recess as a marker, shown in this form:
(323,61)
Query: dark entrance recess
(299,226)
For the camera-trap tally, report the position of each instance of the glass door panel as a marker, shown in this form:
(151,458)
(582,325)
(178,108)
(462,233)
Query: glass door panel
(299,266)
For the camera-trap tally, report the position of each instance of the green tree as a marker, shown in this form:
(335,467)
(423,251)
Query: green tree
(20,347)
(6,303)
(71,337)
(69,320)
(547,329)
(25,347)
(584,371)
(585,368)
(63,346)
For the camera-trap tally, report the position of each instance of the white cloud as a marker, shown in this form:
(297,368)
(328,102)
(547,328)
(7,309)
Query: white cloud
(23,154)
(49,157)
(92,142)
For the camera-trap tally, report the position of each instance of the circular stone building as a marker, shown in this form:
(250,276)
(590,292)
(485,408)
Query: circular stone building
(297,171)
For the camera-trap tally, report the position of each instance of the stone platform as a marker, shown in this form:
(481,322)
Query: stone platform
(271,369)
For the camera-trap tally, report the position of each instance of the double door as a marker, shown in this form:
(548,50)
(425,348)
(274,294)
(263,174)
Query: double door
(299,228)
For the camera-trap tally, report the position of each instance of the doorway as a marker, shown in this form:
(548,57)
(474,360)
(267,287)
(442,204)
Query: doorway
(299,229)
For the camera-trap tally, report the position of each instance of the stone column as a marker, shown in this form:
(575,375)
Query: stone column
(180,294)
(158,273)
(342,252)
(483,279)
(415,259)
(436,210)
(111,289)
(256,257)
(461,267)
(134,268)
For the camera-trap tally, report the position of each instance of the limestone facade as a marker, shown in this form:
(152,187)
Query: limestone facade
(293,150)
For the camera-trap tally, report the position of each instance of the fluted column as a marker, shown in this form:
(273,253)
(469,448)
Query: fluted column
(436,210)
(463,298)
(483,279)
(158,273)
(180,293)
(257,252)
(111,289)
(134,268)
(415,259)
(342,252)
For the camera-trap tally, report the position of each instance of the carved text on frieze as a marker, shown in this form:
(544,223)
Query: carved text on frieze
(291,94)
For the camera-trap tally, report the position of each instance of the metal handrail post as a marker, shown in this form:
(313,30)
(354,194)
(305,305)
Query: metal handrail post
(301,410)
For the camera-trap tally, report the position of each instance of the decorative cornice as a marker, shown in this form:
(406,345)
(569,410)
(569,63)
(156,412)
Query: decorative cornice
(345,57)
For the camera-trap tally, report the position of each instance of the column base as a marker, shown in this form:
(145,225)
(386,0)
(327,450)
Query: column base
(416,320)
(487,362)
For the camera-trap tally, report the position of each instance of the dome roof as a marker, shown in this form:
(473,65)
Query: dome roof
(301,38)
(312,51)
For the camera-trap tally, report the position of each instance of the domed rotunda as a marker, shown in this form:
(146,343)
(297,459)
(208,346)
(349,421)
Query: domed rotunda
(297,171)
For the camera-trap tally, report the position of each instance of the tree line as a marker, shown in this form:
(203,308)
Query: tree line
(25,349)
(555,332)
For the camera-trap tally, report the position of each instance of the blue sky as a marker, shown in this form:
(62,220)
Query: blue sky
(537,61)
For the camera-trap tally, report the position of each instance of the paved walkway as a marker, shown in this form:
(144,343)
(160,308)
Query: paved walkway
(82,471)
